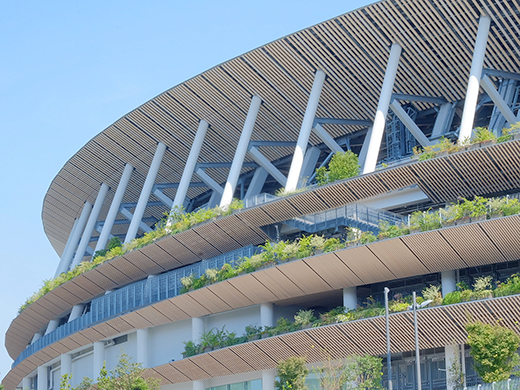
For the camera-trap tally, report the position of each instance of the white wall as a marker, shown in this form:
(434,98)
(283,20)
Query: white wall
(81,368)
(235,320)
(166,342)
(113,353)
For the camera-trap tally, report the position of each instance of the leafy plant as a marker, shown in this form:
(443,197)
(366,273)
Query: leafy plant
(433,293)
(482,134)
(493,348)
(291,374)
(342,165)
(304,317)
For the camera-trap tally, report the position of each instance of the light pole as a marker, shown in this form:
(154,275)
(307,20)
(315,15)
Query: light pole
(388,354)
(417,357)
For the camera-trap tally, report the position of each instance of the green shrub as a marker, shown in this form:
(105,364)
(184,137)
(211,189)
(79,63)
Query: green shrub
(304,317)
(482,134)
(342,165)
(452,297)
(291,374)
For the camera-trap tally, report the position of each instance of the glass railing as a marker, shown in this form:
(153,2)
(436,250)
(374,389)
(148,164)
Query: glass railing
(133,296)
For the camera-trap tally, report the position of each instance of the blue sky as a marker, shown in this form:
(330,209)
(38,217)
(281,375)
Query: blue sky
(70,69)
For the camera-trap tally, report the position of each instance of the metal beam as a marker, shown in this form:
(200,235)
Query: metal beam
(129,215)
(267,165)
(488,86)
(288,144)
(162,186)
(409,123)
(340,121)
(209,181)
(443,120)
(419,98)
(225,165)
(502,74)
(326,138)
(162,197)
(129,205)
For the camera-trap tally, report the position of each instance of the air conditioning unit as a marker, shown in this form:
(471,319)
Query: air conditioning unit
(109,343)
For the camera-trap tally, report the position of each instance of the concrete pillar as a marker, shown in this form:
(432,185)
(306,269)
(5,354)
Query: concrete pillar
(75,234)
(53,324)
(363,152)
(114,208)
(26,383)
(76,312)
(378,128)
(470,103)
(89,228)
(43,378)
(441,121)
(309,163)
(187,174)
(268,378)
(451,355)
(448,281)
(145,192)
(98,359)
(197,328)
(266,314)
(257,183)
(350,298)
(198,385)
(66,364)
(214,199)
(293,177)
(142,347)
(240,153)
(36,337)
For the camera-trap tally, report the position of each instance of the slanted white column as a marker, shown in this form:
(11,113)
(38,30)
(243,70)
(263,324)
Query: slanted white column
(198,385)
(378,128)
(488,86)
(327,139)
(214,199)
(76,312)
(470,103)
(309,163)
(451,354)
(448,281)
(268,378)
(350,298)
(75,234)
(441,121)
(114,208)
(264,162)
(91,223)
(145,192)
(197,328)
(53,324)
(240,153)
(187,174)
(266,314)
(409,123)
(36,336)
(26,383)
(293,177)
(363,152)
(142,347)
(98,359)
(66,364)
(43,379)
(257,182)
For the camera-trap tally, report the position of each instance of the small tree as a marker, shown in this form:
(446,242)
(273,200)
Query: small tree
(291,374)
(366,372)
(455,375)
(493,348)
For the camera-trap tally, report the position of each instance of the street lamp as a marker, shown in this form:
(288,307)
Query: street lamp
(416,329)
(388,355)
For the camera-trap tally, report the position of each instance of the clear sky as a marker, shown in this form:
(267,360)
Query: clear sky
(69,69)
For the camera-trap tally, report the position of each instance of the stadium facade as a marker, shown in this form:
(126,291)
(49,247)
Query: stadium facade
(377,81)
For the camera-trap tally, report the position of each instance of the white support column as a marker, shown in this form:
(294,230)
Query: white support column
(470,103)
(142,347)
(89,228)
(26,383)
(309,163)
(187,174)
(43,379)
(257,182)
(53,324)
(488,86)
(214,199)
(327,139)
(448,281)
(209,181)
(268,378)
(409,123)
(198,385)
(293,177)
(363,152)
(98,359)
(36,336)
(266,314)
(76,312)
(145,192)
(197,328)
(451,354)
(378,128)
(114,208)
(240,153)
(350,298)
(441,121)
(75,235)
(261,160)
(66,364)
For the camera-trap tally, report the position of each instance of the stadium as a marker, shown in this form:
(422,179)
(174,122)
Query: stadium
(260,231)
